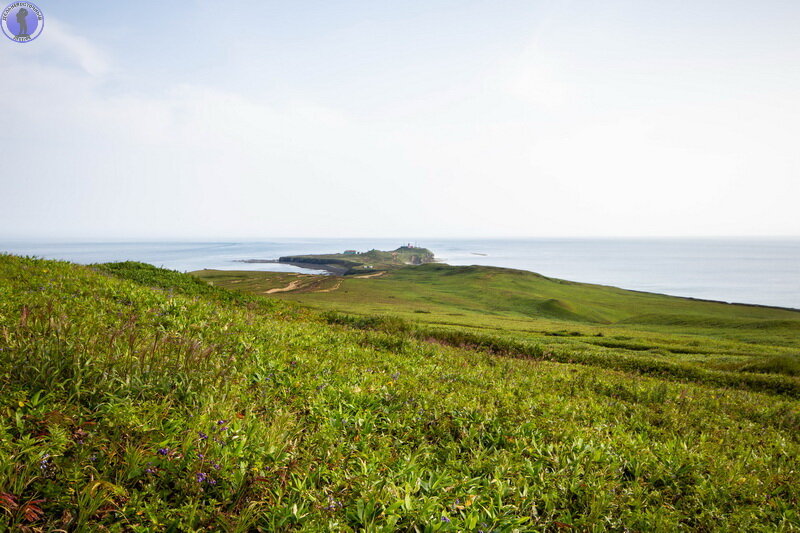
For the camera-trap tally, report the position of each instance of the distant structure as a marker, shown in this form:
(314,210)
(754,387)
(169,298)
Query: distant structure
(350,252)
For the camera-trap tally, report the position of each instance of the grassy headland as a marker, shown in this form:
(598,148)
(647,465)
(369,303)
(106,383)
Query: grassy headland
(141,399)
(354,262)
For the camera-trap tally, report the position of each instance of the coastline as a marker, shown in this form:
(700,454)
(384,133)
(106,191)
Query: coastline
(328,269)
(689,268)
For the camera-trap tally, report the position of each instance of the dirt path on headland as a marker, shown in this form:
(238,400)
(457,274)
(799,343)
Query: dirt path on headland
(290,287)
(374,275)
(303,286)
(338,283)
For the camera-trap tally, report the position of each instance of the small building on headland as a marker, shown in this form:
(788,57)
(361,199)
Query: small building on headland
(350,252)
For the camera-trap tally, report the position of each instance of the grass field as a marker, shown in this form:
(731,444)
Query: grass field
(558,316)
(431,398)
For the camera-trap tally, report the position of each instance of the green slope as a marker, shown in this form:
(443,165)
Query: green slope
(558,315)
(520,293)
(126,390)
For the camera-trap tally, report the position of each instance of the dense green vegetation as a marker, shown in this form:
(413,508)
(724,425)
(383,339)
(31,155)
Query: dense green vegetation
(139,399)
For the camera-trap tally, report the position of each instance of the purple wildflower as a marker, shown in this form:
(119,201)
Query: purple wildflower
(47,467)
(333,504)
(202,435)
(201,477)
(445,519)
(220,422)
(163,451)
(216,466)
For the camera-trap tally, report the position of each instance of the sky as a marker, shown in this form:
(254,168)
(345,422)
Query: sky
(260,119)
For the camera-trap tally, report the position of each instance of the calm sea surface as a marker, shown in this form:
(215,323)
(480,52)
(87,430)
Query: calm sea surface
(760,271)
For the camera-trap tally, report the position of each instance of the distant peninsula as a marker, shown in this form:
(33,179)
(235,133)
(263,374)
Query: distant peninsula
(353,262)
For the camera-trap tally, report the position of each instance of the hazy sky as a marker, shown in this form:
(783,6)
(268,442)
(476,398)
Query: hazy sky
(258,119)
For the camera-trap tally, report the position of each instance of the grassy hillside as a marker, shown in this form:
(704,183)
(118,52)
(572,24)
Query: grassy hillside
(512,293)
(605,325)
(139,399)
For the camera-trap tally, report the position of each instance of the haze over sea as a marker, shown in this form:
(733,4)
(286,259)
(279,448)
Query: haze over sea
(746,270)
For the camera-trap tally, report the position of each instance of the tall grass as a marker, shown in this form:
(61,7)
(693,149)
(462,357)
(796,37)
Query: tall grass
(140,401)
(777,384)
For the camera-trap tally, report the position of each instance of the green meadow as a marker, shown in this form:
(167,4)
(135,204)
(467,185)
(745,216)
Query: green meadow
(527,312)
(426,398)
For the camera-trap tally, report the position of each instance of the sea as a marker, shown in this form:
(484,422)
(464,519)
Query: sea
(763,271)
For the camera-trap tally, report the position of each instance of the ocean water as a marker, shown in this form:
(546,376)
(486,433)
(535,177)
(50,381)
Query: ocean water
(758,271)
